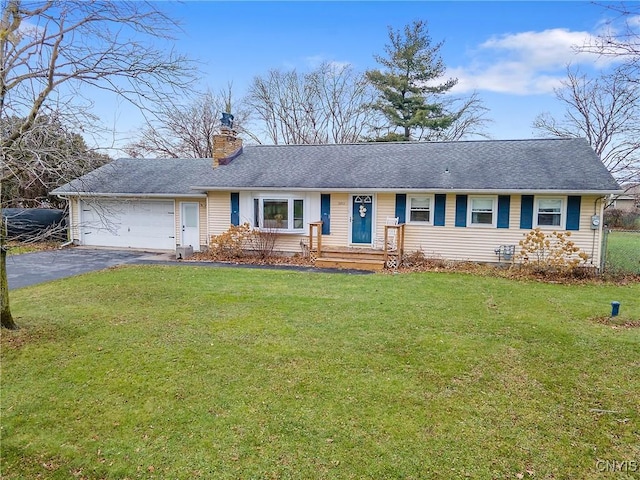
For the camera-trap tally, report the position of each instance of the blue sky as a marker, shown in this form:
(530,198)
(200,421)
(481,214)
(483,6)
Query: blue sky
(513,53)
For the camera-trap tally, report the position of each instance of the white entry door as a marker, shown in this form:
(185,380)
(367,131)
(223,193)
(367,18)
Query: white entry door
(189,214)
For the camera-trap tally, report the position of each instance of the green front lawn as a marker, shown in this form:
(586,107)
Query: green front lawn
(186,372)
(18,248)
(623,252)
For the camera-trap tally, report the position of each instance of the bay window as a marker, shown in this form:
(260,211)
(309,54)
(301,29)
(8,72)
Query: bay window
(278,213)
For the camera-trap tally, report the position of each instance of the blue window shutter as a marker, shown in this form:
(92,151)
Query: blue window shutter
(573,212)
(439,209)
(526,212)
(401,207)
(235,208)
(256,212)
(504,205)
(461,210)
(325,213)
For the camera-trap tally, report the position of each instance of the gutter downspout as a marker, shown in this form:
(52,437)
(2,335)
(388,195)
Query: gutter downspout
(598,230)
(72,241)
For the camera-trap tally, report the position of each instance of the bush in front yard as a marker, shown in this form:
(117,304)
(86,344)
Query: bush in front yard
(242,242)
(550,253)
(232,244)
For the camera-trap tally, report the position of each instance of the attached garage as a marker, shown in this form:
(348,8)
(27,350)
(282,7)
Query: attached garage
(131,223)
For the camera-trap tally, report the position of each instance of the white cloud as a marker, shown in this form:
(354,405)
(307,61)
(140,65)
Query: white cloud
(312,62)
(525,63)
(30,30)
(315,61)
(547,48)
(634,21)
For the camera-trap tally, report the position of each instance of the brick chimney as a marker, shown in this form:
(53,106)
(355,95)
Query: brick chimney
(226,147)
(226,144)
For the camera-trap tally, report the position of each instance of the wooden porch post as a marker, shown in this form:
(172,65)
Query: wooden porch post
(318,227)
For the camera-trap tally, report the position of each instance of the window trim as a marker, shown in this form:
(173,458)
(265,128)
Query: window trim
(494,211)
(431,199)
(563,212)
(291,200)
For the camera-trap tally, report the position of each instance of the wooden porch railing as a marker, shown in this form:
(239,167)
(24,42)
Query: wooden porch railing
(393,251)
(317,226)
(399,243)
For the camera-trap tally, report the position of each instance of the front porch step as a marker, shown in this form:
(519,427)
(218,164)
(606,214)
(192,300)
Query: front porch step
(351,258)
(350,263)
(353,253)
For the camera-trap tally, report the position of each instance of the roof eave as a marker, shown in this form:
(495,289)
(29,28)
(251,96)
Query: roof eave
(485,191)
(129,195)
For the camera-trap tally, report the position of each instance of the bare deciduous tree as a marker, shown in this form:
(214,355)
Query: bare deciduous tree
(328,105)
(52,51)
(620,39)
(186,129)
(284,104)
(605,110)
(50,154)
(344,98)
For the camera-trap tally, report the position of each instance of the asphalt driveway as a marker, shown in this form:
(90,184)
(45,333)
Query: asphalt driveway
(37,267)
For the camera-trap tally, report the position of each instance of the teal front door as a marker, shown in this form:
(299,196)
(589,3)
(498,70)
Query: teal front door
(362,215)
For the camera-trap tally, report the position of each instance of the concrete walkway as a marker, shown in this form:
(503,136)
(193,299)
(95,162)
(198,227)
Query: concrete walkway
(37,267)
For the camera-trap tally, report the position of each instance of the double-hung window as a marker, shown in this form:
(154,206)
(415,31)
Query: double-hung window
(549,212)
(279,213)
(482,211)
(420,209)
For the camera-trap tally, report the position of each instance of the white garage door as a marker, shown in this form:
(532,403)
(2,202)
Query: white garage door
(128,223)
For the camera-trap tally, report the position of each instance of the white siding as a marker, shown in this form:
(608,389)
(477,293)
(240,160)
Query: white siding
(246,207)
(445,242)
(478,243)
(312,208)
(340,224)
(74,218)
(219,212)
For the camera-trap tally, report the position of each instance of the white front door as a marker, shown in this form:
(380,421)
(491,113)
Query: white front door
(189,214)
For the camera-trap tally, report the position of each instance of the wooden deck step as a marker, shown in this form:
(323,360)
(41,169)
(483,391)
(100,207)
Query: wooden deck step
(350,263)
(354,254)
(351,258)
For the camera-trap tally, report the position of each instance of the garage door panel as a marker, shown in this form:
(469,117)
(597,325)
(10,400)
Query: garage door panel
(134,224)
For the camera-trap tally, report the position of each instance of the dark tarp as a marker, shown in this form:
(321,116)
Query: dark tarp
(28,223)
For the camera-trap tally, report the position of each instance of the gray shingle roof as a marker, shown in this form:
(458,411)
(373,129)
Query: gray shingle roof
(142,176)
(491,165)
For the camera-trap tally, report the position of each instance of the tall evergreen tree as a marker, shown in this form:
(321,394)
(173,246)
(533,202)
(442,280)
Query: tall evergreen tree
(409,83)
